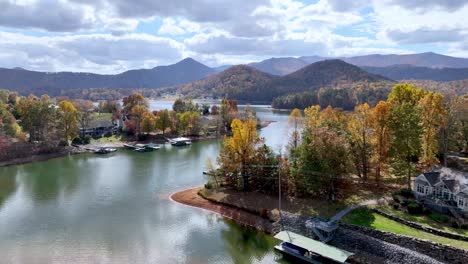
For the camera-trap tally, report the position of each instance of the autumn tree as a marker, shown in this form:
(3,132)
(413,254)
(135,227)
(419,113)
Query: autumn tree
(323,160)
(84,113)
(228,112)
(129,102)
(433,119)
(312,118)
(163,120)
(238,152)
(380,121)
(359,133)
(214,110)
(183,105)
(37,116)
(405,124)
(136,117)
(148,122)
(67,121)
(295,121)
(184,119)
(457,135)
(8,125)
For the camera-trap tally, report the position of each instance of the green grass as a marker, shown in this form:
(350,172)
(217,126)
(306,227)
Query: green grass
(423,220)
(112,138)
(365,217)
(100,116)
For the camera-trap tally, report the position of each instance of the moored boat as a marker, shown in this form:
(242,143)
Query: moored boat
(306,250)
(152,146)
(129,146)
(180,141)
(104,150)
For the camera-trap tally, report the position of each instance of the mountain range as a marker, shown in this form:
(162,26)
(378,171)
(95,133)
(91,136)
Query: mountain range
(430,60)
(56,83)
(422,66)
(246,83)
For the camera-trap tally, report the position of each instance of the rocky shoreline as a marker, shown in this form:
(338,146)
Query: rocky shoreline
(369,246)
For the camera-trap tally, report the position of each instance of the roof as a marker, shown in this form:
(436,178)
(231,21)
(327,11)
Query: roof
(315,246)
(433,177)
(451,184)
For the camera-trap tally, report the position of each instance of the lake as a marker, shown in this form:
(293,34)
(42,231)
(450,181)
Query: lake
(116,209)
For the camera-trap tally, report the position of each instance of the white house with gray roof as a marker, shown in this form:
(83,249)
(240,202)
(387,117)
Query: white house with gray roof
(444,186)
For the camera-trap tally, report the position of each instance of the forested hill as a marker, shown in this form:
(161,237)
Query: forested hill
(324,74)
(410,72)
(25,82)
(240,82)
(248,84)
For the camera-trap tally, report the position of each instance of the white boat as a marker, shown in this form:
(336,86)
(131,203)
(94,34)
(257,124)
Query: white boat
(306,250)
(180,141)
(153,146)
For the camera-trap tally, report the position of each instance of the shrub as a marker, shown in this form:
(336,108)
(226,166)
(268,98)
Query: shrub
(407,193)
(208,185)
(439,217)
(83,141)
(414,208)
(396,196)
(454,224)
(464,226)
(396,206)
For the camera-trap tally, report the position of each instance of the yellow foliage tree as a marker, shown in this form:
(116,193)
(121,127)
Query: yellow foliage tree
(381,139)
(239,150)
(148,122)
(433,118)
(68,120)
(360,131)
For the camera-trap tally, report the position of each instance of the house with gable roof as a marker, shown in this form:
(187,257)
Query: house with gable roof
(442,188)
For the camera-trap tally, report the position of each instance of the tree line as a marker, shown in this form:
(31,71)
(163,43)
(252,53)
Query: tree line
(61,121)
(412,130)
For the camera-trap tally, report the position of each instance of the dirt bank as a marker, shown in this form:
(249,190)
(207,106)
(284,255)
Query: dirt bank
(41,157)
(190,197)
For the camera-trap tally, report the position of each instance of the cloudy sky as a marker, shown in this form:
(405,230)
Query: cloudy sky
(109,36)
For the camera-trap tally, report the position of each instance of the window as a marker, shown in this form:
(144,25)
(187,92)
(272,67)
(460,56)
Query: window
(461,202)
(420,188)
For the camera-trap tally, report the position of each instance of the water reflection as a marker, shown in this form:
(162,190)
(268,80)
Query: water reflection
(45,181)
(246,246)
(7,186)
(115,209)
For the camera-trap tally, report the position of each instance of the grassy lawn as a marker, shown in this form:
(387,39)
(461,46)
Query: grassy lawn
(365,217)
(101,116)
(112,138)
(423,220)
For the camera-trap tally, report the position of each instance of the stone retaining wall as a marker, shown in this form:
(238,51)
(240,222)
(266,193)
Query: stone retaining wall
(421,227)
(443,253)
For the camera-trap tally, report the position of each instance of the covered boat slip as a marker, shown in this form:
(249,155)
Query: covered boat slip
(317,247)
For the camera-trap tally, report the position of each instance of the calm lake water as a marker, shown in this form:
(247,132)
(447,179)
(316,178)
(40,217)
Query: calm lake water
(115,209)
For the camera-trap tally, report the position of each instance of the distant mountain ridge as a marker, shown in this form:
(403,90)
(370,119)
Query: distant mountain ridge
(249,84)
(410,72)
(26,82)
(283,66)
(422,66)
(426,59)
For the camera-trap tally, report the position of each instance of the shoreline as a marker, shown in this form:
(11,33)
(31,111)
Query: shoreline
(190,197)
(41,157)
(369,245)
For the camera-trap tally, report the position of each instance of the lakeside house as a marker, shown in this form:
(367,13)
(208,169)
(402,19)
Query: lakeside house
(100,128)
(443,189)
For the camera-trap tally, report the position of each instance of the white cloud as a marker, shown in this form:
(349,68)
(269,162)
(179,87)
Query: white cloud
(103,53)
(99,35)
